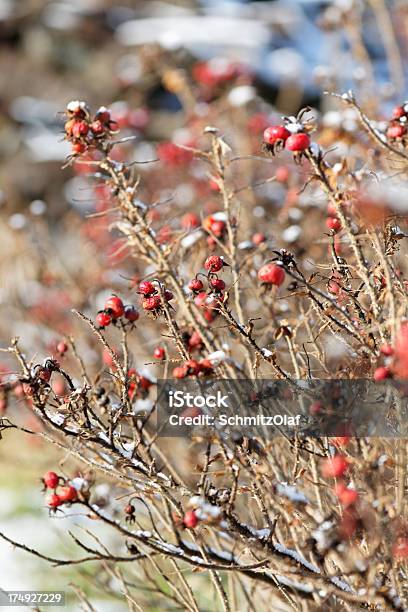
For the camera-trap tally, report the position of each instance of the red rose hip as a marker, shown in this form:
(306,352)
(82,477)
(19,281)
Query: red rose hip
(334,467)
(54,500)
(67,494)
(275,133)
(271,274)
(103,319)
(115,305)
(159,353)
(298,142)
(213,263)
(146,288)
(51,480)
(190,519)
(151,303)
(131,313)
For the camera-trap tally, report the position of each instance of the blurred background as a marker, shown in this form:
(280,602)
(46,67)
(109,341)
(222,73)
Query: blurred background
(275,56)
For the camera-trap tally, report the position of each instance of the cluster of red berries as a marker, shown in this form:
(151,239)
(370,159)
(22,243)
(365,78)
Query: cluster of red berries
(216,228)
(84,131)
(395,358)
(397,127)
(211,301)
(138,385)
(153,296)
(114,310)
(271,274)
(336,467)
(216,285)
(192,367)
(291,136)
(63,492)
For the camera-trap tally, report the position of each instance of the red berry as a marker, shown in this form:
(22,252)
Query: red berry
(159,353)
(382,373)
(334,466)
(195,284)
(218,228)
(68,493)
(115,305)
(387,350)
(51,480)
(396,131)
(282,174)
(78,148)
(275,133)
(272,274)
(298,142)
(209,316)
(62,347)
(151,303)
(258,238)
(180,372)
(146,288)
(333,224)
(217,284)
(80,128)
(129,509)
(103,319)
(213,263)
(54,500)
(347,497)
(190,221)
(168,296)
(131,313)
(398,112)
(195,340)
(190,519)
